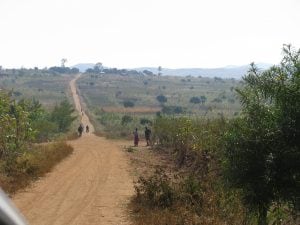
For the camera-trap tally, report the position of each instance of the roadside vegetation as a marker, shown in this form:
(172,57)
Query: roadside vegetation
(239,170)
(24,124)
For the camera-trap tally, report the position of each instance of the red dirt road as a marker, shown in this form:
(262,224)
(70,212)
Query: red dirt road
(92,186)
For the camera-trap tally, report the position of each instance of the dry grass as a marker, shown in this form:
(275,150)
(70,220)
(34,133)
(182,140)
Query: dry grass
(33,164)
(216,209)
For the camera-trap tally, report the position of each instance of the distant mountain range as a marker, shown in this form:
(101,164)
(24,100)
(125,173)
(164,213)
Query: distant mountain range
(222,72)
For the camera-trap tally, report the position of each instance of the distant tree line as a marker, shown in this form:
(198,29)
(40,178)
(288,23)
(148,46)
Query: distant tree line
(36,71)
(63,70)
(115,71)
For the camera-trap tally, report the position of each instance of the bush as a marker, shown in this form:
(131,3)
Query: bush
(162,99)
(173,110)
(156,190)
(195,100)
(128,104)
(126,119)
(145,121)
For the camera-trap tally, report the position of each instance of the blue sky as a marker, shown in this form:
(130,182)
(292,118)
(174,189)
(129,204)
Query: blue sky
(134,33)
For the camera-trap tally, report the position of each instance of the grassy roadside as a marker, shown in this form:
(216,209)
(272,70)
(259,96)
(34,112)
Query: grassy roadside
(32,164)
(167,194)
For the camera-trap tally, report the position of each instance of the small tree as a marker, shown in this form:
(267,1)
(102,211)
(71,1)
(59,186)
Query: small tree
(126,119)
(159,70)
(195,100)
(98,67)
(62,116)
(63,62)
(263,147)
(15,131)
(128,104)
(203,99)
(162,99)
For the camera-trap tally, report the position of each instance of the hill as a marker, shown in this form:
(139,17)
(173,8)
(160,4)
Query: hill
(223,72)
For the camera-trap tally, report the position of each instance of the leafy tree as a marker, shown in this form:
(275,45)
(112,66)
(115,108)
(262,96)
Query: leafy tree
(128,104)
(15,131)
(44,128)
(145,121)
(98,67)
(203,99)
(126,119)
(62,116)
(172,110)
(162,99)
(195,100)
(63,62)
(263,146)
(159,70)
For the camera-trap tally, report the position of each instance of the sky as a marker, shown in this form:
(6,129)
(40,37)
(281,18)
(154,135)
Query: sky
(136,33)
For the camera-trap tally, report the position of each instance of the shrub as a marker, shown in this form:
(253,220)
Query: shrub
(128,104)
(173,110)
(145,121)
(156,190)
(162,99)
(126,119)
(195,100)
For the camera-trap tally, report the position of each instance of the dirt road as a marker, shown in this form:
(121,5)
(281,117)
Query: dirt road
(92,186)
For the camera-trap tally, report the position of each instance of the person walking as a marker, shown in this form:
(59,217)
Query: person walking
(87,129)
(136,137)
(80,130)
(147,135)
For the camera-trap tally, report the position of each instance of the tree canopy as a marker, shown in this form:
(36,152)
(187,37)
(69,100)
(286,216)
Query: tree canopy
(263,146)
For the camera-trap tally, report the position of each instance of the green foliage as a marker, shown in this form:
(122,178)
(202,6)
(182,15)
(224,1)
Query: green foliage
(145,121)
(162,99)
(195,100)
(62,116)
(172,110)
(16,131)
(116,125)
(262,150)
(203,99)
(128,104)
(126,119)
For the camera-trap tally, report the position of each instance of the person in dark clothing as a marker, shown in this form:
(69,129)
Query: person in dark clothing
(80,130)
(87,129)
(147,135)
(136,137)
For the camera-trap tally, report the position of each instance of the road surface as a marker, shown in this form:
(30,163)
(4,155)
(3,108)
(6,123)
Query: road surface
(92,186)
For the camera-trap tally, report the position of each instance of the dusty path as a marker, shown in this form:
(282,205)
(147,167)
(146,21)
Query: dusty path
(92,186)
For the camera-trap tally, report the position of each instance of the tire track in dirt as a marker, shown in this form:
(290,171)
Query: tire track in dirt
(92,186)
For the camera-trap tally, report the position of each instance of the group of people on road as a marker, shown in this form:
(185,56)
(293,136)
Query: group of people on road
(81,129)
(136,136)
